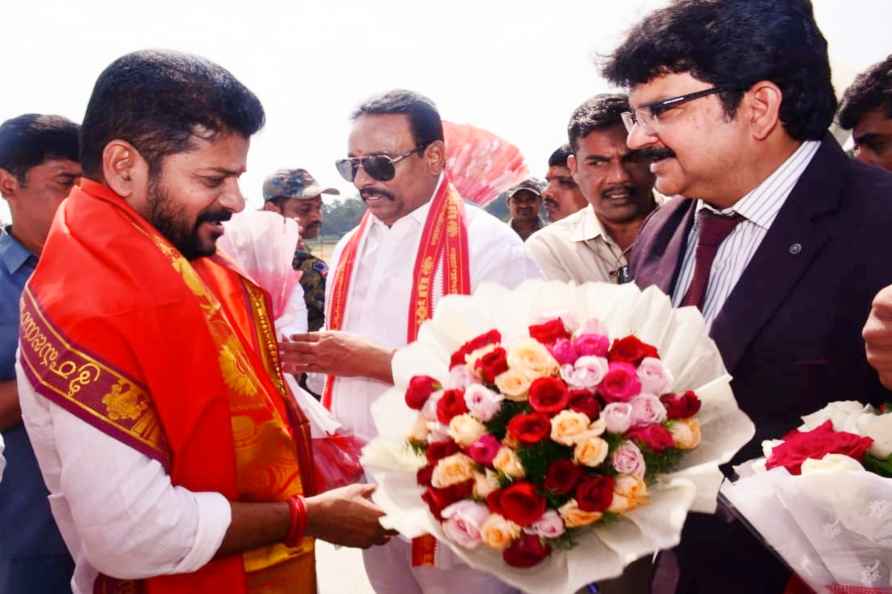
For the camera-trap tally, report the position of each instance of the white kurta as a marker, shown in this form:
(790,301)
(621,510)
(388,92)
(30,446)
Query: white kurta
(378,303)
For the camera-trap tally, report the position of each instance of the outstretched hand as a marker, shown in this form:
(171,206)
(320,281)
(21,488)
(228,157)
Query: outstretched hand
(346,516)
(336,353)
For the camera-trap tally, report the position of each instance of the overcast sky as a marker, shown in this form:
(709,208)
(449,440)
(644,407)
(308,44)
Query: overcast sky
(517,68)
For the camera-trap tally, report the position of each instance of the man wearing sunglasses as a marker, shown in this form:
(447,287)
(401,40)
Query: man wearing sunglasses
(387,278)
(775,235)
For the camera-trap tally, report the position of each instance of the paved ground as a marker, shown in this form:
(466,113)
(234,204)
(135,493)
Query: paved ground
(340,571)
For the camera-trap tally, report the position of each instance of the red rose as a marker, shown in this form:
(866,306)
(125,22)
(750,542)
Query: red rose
(492,364)
(595,493)
(654,436)
(526,551)
(424,474)
(681,406)
(529,428)
(440,449)
(458,357)
(419,390)
(823,440)
(439,499)
(548,332)
(585,402)
(562,476)
(492,501)
(630,350)
(549,395)
(451,404)
(520,503)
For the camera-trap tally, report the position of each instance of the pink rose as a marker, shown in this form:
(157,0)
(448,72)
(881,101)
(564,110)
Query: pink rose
(628,459)
(550,525)
(621,383)
(463,521)
(563,352)
(484,450)
(459,378)
(647,409)
(655,377)
(591,345)
(617,416)
(587,372)
(482,402)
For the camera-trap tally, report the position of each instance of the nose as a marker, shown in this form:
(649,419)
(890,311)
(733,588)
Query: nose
(866,156)
(617,174)
(232,198)
(363,179)
(639,137)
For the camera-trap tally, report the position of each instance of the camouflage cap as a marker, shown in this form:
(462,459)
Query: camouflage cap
(293,183)
(531,185)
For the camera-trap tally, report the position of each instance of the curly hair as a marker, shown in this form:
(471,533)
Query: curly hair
(871,90)
(736,43)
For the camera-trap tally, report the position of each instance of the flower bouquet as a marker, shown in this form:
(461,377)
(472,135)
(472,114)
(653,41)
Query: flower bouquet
(822,498)
(553,434)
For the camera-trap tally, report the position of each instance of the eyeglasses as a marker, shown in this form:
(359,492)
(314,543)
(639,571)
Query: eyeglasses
(378,167)
(648,116)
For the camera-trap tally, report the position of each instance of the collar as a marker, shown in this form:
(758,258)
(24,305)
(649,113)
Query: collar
(12,253)
(588,227)
(761,204)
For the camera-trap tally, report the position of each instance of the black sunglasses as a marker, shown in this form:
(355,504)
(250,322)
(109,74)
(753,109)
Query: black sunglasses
(378,167)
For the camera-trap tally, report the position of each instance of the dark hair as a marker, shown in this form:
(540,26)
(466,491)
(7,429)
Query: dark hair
(559,157)
(737,43)
(872,89)
(598,113)
(32,138)
(424,119)
(157,100)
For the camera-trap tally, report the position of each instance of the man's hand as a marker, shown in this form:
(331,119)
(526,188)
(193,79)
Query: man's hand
(878,336)
(336,353)
(10,413)
(346,516)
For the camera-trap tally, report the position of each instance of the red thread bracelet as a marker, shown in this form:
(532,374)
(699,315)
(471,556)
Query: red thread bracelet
(298,515)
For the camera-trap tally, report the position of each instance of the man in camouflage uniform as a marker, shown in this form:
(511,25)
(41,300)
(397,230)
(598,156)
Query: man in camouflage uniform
(293,193)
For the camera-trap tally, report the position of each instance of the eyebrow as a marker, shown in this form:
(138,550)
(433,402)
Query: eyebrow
(222,170)
(870,137)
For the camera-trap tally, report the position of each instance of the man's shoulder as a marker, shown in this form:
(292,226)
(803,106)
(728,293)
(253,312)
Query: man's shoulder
(478,219)
(561,231)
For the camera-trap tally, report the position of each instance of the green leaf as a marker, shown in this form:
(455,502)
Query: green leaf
(538,457)
(880,466)
(659,462)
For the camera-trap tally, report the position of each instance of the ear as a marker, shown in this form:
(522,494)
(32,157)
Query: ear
(572,164)
(271,206)
(435,156)
(763,102)
(123,169)
(9,184)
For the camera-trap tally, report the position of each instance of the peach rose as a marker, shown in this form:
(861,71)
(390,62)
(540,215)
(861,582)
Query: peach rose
(591,452)
(569,426)
(629,492)
(498,533)
(465,429)
(514,384)
(532,358)
(506,461)
(452,470)
(575,517)
(685,433)
(485,483)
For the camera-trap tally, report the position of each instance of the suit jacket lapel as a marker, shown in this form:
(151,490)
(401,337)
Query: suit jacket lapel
(791,244)
(657,260)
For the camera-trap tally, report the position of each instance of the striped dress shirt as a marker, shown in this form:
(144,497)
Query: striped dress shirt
(758,208)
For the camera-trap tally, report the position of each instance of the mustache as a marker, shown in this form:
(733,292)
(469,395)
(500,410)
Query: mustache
(656,154)
(214,216)
(631,190)
(367,193)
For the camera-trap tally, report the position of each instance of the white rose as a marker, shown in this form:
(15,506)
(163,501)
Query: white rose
(842,414)
(830,463)
(484,484)
(879,429)
(465,429)
(530,357)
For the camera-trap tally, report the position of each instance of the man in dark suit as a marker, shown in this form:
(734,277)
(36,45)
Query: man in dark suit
(778,237)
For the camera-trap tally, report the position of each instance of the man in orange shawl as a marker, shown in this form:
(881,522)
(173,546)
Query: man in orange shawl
(149,376)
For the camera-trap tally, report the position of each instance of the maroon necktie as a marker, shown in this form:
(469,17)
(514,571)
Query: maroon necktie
(714,228)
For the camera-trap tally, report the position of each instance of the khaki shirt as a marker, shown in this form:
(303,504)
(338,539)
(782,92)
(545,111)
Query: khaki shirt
(577,249)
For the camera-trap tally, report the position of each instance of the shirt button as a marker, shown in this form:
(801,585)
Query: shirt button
(795,249)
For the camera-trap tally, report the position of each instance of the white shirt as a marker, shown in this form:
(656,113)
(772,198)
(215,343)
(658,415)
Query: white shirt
(758,208)
(115,507)
(378,303)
